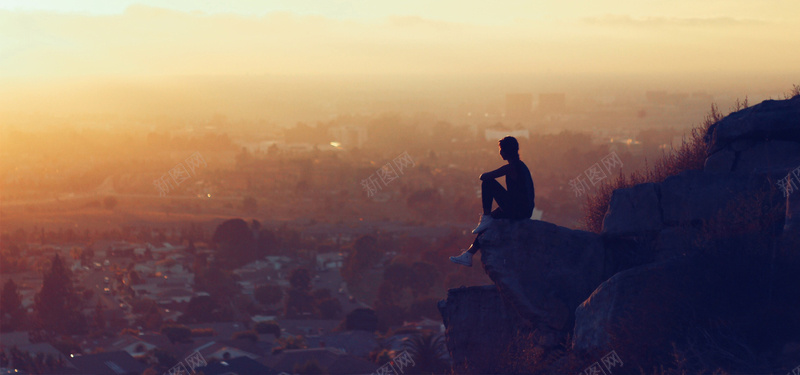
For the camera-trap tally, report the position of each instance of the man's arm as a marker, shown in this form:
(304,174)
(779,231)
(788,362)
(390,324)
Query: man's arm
(499,172)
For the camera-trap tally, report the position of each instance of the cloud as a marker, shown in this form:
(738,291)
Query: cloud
(146,40)
(626,20)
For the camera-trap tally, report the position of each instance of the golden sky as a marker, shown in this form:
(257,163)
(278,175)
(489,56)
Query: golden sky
(58,38)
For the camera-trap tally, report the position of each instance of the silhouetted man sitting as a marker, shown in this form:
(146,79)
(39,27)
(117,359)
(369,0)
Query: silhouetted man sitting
(516,203)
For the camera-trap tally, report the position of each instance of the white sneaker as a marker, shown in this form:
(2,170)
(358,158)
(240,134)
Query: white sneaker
(485,221)
(465,259)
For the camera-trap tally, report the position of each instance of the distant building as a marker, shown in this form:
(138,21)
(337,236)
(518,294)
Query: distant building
(519,106)
(108,363)
(552,103)
(348,136)
(498,134)
(665,98)
(326,261)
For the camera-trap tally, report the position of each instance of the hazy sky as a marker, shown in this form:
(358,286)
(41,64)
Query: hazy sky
(46,38)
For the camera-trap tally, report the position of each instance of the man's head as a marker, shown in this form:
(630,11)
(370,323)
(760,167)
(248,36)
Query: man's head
(509,148)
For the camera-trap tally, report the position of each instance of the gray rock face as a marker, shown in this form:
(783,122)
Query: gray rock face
(770,119)
(720,161)
(637,306)
(478,323)
(696,195)
(552,281)
(633,211)
(762,138)
(544,270)
(769,156)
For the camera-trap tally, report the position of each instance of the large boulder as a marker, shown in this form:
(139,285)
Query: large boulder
(762,138)
(770,119)
(544,270)
(639,311)
(635,210)
(478,323)
(692,197)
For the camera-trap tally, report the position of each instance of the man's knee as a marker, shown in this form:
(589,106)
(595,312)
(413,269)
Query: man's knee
(489,183)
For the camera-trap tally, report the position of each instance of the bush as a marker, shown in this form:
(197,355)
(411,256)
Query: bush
(247,335)
(199,332)
(268,327)
(691,155)
(176,332)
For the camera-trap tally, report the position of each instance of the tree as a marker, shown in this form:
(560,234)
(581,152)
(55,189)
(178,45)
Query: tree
(424,308)
(176,332)
(268,327)
(220,283)
(246,335)
(12,317)
(364,254)
(300,279)
(292,342)
(330,308)
(99,318)
(362,319)
(235,243)
(299,304)
(399,276)
(428,351)
(321,294)
(312,367)
(57,306)
(425,276)
(200,309)
(268,294)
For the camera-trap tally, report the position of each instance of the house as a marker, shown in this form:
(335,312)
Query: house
(174,295)
(108,363)
(237,366)
(332,260)
(132,345)
(358,343)
(426,324)
(332,360)
(307,327)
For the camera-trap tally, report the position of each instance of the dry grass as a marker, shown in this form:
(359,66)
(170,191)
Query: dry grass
(793,93)
(690,155)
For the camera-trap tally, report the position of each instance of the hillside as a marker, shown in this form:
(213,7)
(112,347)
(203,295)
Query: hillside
(697,273)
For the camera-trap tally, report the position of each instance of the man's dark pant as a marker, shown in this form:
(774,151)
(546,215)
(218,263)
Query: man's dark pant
(508,206)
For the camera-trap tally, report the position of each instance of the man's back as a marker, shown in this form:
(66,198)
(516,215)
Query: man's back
(521,187)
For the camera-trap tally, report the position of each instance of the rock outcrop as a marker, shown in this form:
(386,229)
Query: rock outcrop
(544,270)
(643,279)
(762,138)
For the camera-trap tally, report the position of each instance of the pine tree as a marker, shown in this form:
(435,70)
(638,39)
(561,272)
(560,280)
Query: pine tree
(57,306)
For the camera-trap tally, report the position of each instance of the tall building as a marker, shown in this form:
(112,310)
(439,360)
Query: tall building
(349,136)
(552,102)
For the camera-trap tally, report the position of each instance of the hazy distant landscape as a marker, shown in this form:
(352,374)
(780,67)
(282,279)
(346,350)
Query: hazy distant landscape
(275,187)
